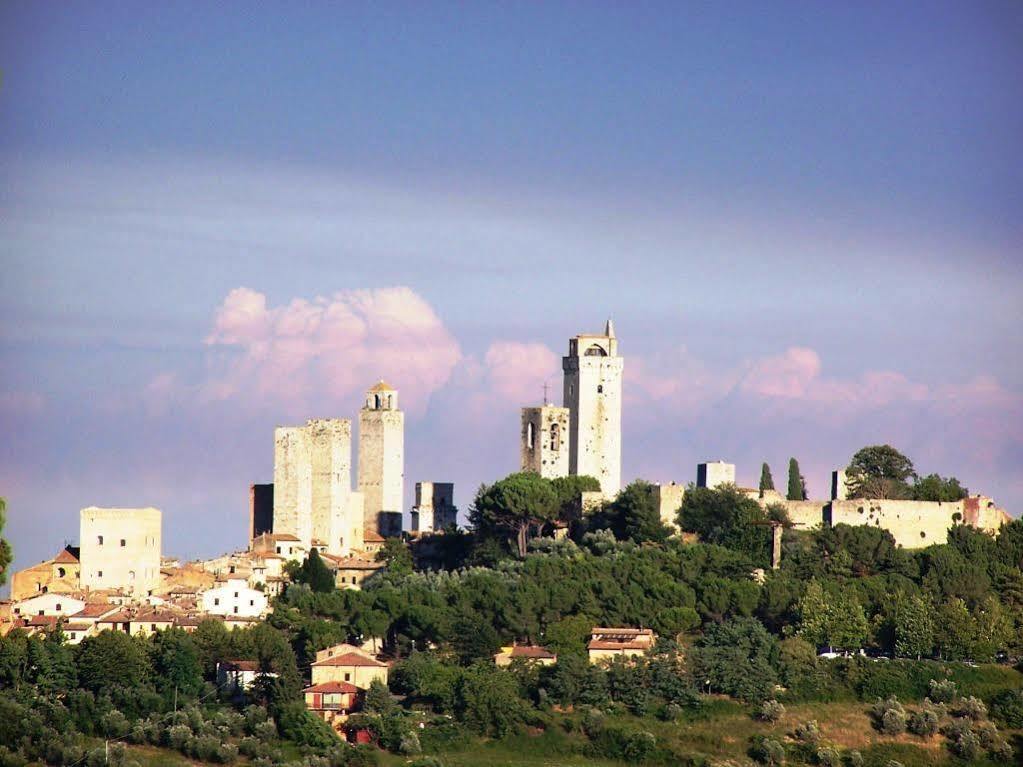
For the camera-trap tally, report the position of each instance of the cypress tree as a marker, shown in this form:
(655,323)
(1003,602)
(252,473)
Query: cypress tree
(766,480)
(316,574)
(796,486)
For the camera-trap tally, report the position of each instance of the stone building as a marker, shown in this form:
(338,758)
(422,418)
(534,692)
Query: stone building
(382,460)
(714,473)
(669,500)
(59,575)
(120,549)
(544,445)
(261,510)
(593,396)
(347,663)
(435,508)
(608,643)
(312,495)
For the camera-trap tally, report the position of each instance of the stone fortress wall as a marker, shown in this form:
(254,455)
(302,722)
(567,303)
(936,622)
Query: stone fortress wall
(120,549)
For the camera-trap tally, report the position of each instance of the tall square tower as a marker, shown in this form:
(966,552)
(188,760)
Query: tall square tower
(382,460)
(312,495)
(593,396)
(120,549)
(545,440)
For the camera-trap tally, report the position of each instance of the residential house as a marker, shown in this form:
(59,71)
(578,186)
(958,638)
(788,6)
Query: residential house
(347,663)
(234,598)
(333,701)
(608,643)
(531,654)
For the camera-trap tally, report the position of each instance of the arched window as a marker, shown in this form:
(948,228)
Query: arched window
(600,388)
(555,436)
(131,575)
(596,351)
(376,401)
(530,435)
(61,572)
(99,540)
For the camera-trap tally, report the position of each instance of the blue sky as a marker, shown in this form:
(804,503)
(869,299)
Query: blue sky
(804,218)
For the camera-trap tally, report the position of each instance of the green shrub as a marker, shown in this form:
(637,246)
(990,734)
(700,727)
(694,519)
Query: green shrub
(853,759)
(888,716)
(943,691)
(770,711)
(970,708)
(923,722)
(767,751)
(966,745)
(828,757)
(808,733)
(1007,708)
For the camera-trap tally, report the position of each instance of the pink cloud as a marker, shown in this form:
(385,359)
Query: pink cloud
(787,375)
(328,349)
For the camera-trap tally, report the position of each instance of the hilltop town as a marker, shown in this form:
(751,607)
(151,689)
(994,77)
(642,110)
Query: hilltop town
(313,519)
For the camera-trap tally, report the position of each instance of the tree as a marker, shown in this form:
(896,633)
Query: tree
(914,627)
(515,505)
(934,487)
(635,515)
(487,700)
(378,698)
(879,471)
(175,660)
(735,657)
(569,492)
(797,485)
(723,516)
(315,574)
(5,548)
(397,556)
(112,659)
(832,620)
(766,480)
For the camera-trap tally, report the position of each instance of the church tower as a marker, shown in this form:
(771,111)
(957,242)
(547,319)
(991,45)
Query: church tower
(382,460)
(593,396)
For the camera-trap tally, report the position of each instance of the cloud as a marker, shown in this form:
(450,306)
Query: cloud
(323,351)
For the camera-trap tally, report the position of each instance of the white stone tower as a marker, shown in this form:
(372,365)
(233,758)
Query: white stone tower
(545,440)
(382,460)
(313,498)
(593,396)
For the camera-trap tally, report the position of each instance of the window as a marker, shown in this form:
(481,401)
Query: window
(595,351)
(99,573)
(348,677)
(216,600)
(123,543)
(555,436)
(236,610)
(278,549)
(530,435)
(41,612)
(236,595)
(57,607)
(61,572)
(600,389)
(131,575)
(152,627)
(252,603)
(99,540)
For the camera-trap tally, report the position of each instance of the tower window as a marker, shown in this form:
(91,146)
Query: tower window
(99,540)
(600,388)
(123,543)
(555,437)
(596,351)
(530,435)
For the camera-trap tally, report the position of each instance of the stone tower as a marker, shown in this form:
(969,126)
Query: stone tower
(312,496)
(435,507)
(593,396)
(382,460)
(545,440)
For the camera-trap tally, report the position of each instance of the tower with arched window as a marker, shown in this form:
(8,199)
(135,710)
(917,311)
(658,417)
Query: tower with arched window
(545,437)
(382,460)
(593,396)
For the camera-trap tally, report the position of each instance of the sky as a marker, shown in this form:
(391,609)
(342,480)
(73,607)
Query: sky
(805,219)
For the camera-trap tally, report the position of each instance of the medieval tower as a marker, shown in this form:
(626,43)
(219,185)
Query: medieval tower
(382,460)
(312,498)
(544,445)
(593,396)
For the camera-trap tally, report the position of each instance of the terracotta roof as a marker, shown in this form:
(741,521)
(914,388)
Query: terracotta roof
(77,626)
(597,644)
(317,542)
(43,620)
(66,556)
(381,385)
(284,537)
(187,620)
(371,536)
(332,687)
(531,651)
(350,659)
(240,665)
(356,563)
(622,631)
(121,616)
(95,610)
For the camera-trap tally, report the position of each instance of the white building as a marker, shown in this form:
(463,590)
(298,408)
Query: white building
(47,604)
(234,598)
(120,549)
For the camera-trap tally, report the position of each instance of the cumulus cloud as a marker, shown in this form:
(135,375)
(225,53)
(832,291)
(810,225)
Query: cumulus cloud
(324,350)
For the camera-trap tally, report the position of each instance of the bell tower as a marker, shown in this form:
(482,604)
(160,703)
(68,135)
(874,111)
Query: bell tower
(382,460)
(593,396)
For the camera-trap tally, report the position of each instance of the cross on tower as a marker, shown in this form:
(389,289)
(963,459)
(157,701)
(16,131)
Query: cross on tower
(545,402)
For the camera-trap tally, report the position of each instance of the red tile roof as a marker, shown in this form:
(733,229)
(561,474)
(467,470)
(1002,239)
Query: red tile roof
(95,610)
(240,665)
(350,659)
(332,687)
(531,651)
(66,557)
(596,644)
(372,537)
